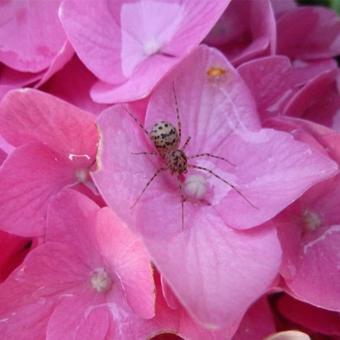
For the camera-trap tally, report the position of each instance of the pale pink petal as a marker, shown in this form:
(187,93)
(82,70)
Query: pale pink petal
(125,252)
(33,116)
(313,318)
(309,33)
(121,46)
(29,177)
(217,286)
(31,34)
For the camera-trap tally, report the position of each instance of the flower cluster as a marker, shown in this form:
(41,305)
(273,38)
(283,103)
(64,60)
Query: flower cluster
(169,167)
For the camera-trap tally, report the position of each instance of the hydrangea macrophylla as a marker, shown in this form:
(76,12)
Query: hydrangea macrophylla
(219,115)
(33,45)
(119,43)
(56,145)
(92,277)
(309,33)
(245,30)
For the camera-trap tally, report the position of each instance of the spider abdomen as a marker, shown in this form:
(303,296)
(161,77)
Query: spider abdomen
(165,137)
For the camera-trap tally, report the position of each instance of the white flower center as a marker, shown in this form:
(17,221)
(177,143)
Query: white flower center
(311,220)
(195,186)
(100,280)
(151,47)
(82,175)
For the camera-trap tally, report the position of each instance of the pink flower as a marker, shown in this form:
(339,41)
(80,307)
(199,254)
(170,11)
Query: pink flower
(205,261)
(310,234)
(55,147)
(119,43)
(91,279)
(245,30)
(33,44)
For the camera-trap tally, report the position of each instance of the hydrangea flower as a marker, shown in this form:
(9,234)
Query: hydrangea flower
(55,148)
(33,44)
(91,278)
(119,43)
(223,122)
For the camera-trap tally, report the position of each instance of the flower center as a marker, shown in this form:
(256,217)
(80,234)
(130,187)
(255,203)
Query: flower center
(311,220)
(100,280)
(151,47)
(195,186)
(82,175)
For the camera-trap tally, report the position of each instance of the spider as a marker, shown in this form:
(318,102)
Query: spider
(166,139)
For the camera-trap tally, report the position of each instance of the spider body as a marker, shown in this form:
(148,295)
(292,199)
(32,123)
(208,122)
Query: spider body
(176,161)
(164,137)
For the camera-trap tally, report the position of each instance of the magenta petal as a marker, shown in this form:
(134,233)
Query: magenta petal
(125,252)
(313,318)
(31,34)
(246,30)
(29,177)
(309,33)
(33,116)
(270,82)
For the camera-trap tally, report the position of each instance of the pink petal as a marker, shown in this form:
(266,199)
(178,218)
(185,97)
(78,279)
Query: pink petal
(318,101)
(280,7)
(130,261)
(29,177)
(122,46)
(313,318)
(217,287)
(33,116)
(79,317)
(246,30)
(309,33)
(271,83)
(31,34)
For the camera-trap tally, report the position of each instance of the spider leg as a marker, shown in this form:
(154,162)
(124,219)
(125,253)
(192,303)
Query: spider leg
(182,200)
(136,121)
(186,143)
(144,153)
(207,154)
(179,127)
(147,185)
(224,181)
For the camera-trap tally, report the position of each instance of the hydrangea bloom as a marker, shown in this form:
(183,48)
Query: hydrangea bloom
(226,123)
(121,45)
(55,147)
